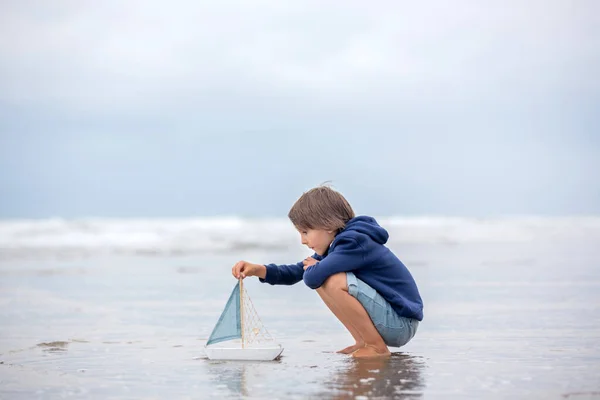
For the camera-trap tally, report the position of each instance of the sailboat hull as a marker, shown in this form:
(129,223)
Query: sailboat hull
(267,353)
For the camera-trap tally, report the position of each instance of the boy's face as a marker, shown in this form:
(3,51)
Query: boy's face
(317,239)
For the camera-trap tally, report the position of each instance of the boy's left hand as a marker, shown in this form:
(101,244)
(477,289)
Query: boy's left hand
(309,261)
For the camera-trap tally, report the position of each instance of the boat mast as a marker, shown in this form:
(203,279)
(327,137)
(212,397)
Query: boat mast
(242,308)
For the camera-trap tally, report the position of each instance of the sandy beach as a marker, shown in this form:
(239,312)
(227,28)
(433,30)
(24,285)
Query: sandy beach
(515,319)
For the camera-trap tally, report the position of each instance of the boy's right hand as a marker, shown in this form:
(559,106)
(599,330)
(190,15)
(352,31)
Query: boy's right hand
(242,269)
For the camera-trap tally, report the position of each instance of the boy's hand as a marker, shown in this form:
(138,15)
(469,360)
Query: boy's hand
(243,269)
(308,261)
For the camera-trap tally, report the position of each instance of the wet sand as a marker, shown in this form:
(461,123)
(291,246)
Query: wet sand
(502,320)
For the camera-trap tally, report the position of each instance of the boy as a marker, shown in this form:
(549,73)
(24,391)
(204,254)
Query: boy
(361,281)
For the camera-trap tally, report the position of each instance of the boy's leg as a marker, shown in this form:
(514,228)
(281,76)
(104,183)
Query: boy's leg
(336,289)
(360,343)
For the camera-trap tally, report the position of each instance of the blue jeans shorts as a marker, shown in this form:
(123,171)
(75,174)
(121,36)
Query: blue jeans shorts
(395,330)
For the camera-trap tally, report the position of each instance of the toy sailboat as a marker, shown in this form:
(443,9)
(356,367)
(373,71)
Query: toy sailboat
(239,334)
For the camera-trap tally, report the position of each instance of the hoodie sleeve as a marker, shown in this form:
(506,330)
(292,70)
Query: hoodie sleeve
(347,256)
(283,274)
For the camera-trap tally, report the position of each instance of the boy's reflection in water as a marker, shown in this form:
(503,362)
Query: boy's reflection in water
(399,376)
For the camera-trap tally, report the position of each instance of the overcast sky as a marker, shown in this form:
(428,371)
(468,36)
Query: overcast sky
(186,108)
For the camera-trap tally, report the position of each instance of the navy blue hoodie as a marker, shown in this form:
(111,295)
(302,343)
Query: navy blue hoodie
(359,248)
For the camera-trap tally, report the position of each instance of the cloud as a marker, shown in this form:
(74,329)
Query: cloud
(144,55)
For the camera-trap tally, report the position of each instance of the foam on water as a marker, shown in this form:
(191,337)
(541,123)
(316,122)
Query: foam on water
(92,236)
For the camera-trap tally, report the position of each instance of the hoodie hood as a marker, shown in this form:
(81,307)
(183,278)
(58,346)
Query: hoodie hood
(367,226)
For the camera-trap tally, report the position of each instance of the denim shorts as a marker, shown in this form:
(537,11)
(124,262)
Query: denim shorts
(395,330)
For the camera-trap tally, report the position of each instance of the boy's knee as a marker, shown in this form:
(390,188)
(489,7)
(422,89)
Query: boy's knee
(336,282)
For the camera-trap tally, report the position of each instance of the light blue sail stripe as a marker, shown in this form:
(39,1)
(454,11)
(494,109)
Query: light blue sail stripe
(229,325)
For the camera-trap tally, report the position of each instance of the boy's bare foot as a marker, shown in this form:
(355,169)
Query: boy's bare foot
(371,352)
(351,349)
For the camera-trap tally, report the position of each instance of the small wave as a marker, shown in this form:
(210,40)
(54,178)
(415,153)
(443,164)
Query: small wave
(80,238)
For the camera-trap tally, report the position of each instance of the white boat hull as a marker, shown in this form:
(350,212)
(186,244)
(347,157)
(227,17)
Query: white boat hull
(267,353)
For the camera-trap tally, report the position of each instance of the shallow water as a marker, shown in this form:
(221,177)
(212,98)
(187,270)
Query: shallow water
(510,320)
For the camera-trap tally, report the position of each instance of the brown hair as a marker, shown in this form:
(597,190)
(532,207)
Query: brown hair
(321,208)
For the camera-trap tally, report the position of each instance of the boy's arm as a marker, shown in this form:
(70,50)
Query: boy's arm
(348,256)
(283,274)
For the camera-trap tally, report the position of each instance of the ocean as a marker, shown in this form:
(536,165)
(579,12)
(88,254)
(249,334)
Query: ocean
(122,308)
